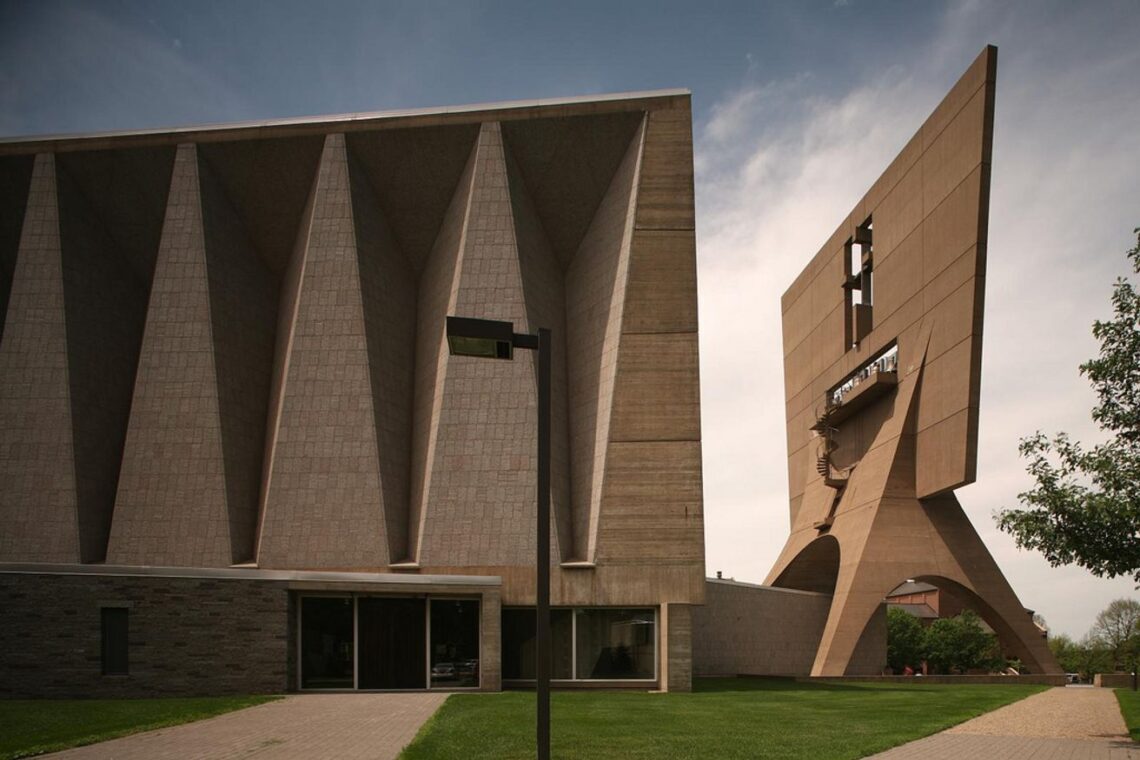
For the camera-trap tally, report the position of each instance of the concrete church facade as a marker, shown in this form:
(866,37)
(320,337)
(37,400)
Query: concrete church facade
(235,454)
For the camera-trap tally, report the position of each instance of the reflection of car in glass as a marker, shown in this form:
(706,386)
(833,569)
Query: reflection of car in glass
(442,670)
(468,668)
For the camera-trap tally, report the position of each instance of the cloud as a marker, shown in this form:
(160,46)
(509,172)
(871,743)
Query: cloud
(779,165)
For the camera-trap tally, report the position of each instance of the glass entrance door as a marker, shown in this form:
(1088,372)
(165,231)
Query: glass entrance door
(454,643)
(388,642)
(391,644)
(326,642)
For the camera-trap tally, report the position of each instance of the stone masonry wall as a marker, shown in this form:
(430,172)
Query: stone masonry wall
(186,636)
(757,630)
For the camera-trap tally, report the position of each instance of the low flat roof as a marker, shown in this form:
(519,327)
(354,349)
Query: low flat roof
(923,611)
(762,587)
(250,573)
(239,130)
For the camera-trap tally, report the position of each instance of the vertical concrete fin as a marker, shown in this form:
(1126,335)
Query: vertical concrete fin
(109,239)
(388,293)
(171,503)
(38,499)
(243,313)
(481,503)
(595,299)
(435,300)
(544,294)
(15,179)
(324,507)
(288,302)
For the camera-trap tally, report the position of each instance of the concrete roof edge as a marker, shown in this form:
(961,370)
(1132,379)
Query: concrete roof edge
(247,573)
(352,117)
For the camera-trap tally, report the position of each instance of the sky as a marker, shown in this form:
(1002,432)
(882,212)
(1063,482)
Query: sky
(797,108)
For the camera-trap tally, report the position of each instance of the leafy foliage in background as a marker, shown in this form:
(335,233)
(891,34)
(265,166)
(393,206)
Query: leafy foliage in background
(960,644)
(906,640)
(949,645)
(1117,632)
(1084,507)
(1085,658)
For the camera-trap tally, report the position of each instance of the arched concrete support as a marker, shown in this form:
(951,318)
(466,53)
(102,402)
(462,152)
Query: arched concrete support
(814,568)
(946,552)
(1012,641)
(886,534)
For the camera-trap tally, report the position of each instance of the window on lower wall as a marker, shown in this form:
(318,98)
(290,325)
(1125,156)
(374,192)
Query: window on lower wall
(587,644)
(615,644)
(114,633)
(518,644)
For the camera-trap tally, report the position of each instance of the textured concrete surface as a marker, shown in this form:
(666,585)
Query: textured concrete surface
(757,630)
(344,726)
(1059,724)
(295,403)
(871,476)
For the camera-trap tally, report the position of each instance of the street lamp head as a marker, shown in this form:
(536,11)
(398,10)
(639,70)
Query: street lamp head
(484,338)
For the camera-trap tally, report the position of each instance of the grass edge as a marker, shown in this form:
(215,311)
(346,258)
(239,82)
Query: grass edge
(154,725)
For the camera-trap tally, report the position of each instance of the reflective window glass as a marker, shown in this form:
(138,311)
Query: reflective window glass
(518,644)
(326,642)
(454,643)
(114,640)
(616,643)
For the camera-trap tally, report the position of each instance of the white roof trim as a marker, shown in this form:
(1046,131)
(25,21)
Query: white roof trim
(333,119)
(245,573)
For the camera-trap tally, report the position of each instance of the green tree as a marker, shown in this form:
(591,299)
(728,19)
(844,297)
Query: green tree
(905,640)
(1066,652)
(960,644)
(1084,507)
(1084,657)
(1117,630)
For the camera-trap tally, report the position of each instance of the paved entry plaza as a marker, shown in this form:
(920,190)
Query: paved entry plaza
(306,726)
(1058,724)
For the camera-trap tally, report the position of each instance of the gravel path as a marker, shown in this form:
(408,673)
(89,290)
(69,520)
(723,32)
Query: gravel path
(1060,713)
(1058,724)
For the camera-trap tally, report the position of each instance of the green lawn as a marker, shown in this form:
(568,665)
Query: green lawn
(724,718)
(34,726)
(1130,708)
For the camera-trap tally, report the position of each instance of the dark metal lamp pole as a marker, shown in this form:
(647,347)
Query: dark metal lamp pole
(497,340)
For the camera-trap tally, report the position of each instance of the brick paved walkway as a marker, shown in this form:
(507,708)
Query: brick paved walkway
(1058,724)
(308,726)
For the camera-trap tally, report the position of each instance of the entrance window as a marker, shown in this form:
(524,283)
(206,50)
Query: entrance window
(588,644)
(615,644)
(368,641)
(518,644)
(326,642)
(391,634)
(454,643)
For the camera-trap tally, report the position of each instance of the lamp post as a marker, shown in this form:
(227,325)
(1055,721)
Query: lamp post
(489,339)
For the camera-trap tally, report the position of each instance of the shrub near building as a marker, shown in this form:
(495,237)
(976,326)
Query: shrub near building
(950,645)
